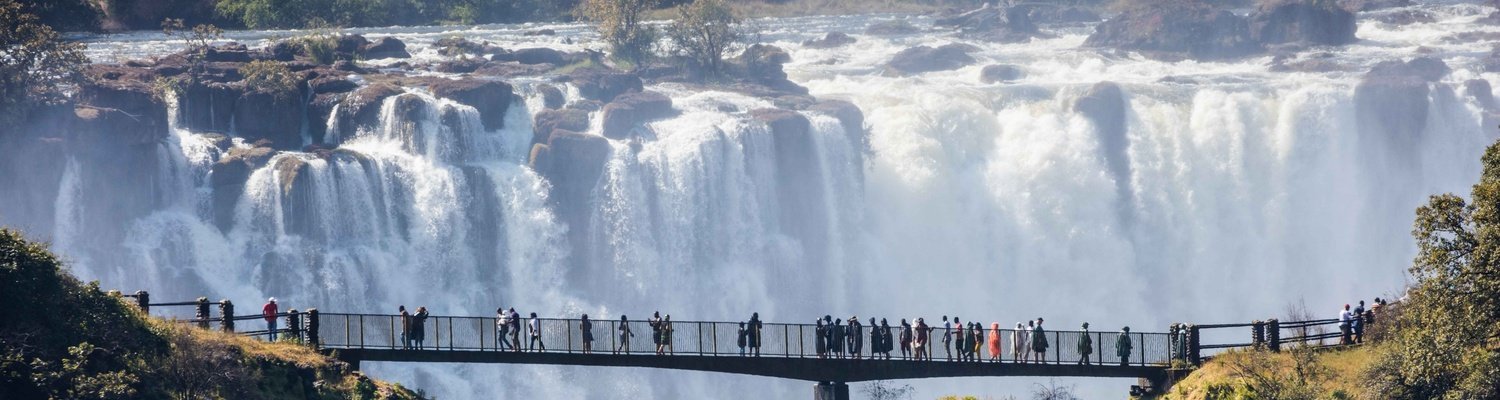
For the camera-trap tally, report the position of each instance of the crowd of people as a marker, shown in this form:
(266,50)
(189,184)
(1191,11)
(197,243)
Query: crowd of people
(833,338)
(1352,322)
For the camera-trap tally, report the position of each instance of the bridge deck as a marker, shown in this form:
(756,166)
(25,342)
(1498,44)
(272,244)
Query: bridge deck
(810,369)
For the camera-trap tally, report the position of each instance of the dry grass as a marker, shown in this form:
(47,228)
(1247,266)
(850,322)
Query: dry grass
(287,353)
(1339,372)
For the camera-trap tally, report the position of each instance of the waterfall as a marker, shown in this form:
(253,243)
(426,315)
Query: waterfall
(1244,190)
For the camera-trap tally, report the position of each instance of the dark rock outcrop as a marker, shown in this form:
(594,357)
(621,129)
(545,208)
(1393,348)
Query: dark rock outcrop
(891,27)
(1406,17)
(1062,15)
(228,176)
(349,47)
(620,117)
(231,52)
(604,85)
(573,163)
(921,59)
(207,106)
(332,84)
(552,97)
(763,64)
(126,109)
(1291,21)
(269,116)
(1000,73)
(386,47)
(534,56)
(491,98)
(1177,29)
(1104,105)
(460,66)
(568,119)
(361,109)
(829,41)
(1391,100)
(850,117)
(1000,24)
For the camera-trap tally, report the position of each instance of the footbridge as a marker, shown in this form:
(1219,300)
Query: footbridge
(779,350)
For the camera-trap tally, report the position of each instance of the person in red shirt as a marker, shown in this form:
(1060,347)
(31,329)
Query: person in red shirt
(270,311)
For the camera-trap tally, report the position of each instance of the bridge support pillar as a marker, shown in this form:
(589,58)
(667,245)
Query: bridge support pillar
(831,391)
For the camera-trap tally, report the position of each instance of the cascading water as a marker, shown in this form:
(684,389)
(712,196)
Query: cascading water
(1236,189)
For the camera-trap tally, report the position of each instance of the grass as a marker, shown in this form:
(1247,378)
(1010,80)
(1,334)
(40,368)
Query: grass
(1339,374)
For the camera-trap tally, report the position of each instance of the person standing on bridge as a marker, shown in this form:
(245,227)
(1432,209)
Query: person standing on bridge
(1344,333)
(535,326)
(1019,351)
(953,339)
(856,337)
(837,342)
(586,330)
(753,337)
(666,336)
(625,335)
(502,329)
(515,330)
(1039,342)
(885,338)
(655,323)
(978,342)
(269,311)
(948,337)
(419,327)
(906,339)
(405,328)
(740,339)
(1357,322)
(1123,346)
(920,344)
(876,345)
(821,337)
(994,343)
(1085,346)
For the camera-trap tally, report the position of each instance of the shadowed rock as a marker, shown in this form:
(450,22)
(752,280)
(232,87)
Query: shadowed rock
(1291,21)
(604,85)
(491,98)
(620,117)
(921,59)
(386,47)
(829,41)
(1000,73)
(1177,29)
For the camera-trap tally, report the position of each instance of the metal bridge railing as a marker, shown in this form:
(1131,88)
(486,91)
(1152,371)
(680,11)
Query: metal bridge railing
(695,338)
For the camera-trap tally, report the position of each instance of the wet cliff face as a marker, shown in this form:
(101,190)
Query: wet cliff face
(1046,193)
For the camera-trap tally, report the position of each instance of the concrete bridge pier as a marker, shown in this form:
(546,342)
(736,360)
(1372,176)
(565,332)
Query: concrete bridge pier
(831,391)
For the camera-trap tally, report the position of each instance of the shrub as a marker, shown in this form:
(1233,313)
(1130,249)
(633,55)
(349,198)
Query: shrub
(270,77)
(703,32)
(621,24)
(36,65)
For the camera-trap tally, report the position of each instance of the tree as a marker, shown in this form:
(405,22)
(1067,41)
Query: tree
(703,31)
(36,66)
(620,23)
(1449,338)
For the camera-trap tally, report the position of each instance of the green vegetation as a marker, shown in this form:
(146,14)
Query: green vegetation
(262,14)
(622,24)
(36,66)
(703,32)
(269,76)
(63,339)
(1441,342)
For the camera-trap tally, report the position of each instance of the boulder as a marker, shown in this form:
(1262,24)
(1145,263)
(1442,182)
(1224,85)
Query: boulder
(231,52)
(285,50)
(361,109)
(127,110)
(318,112)
(572,164)
(1371,5)
(1482,93)
(456,46)
(1001,24)
(552,97)
(604,85)
(533,56)
(1309,21)
(460,66)
(849,116)
(891,27)
(1062,15)
(349,47)
(332,84)
(762,64)
(1406,17)
(491,98)
(829,41)
(568,119)
(922,59)
(1000,73)
(227,179)
(386,47)
(620,117)
(1176,29)
(270,116)
(207,106)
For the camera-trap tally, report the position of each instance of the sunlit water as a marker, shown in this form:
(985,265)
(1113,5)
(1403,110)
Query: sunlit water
(1246,190)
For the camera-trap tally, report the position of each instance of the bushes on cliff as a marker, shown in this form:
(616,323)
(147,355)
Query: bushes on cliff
(269,76)
(64,339)
(1447,341)
(36,65)
(622,24)
(703,32)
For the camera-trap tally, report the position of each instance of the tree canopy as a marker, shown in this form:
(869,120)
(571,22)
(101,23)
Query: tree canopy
(36,66)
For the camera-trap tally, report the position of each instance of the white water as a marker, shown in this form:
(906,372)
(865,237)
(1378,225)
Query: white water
(1248,190)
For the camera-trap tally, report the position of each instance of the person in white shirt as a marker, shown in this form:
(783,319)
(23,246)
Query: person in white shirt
(1344,318)
(536,334)
(502,328)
